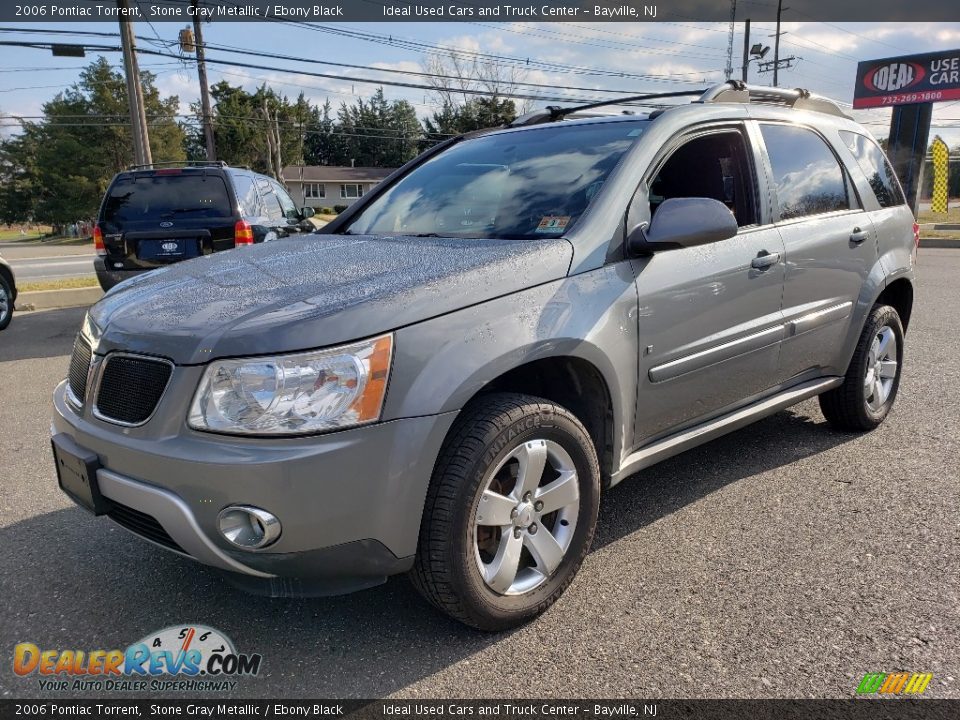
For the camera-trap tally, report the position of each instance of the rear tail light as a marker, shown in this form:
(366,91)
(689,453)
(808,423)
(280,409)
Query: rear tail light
(916,234)
(242,233)
(98,245)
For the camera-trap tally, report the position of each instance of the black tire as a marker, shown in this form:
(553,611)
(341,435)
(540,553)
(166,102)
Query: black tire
(7,291)
(446,571)
(846,407)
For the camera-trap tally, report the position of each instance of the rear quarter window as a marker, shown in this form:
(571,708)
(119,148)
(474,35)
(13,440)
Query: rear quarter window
(876,167)
(163,197)
(247,195)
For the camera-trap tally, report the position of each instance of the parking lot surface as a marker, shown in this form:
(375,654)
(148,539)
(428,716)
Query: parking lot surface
(785,560)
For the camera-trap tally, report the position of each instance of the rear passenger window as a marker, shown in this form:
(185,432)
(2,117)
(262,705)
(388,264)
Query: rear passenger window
(808,177)
(246,196)
(876,167)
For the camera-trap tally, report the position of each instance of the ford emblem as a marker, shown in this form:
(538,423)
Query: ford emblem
(169,246)
(166,224)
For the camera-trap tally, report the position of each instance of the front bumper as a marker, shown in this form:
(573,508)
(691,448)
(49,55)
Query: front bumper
(349,502)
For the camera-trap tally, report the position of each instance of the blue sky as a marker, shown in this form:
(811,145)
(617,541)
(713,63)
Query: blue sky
(686,54)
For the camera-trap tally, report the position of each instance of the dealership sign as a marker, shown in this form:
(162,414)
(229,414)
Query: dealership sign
(931,77)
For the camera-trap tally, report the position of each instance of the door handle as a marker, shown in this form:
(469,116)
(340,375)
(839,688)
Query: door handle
(765,260)
(858,235)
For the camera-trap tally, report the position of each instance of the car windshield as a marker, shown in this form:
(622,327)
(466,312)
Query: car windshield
(528,184)
(165,197)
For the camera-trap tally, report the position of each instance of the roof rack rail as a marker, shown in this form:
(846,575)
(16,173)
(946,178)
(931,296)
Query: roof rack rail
(188,163)
(555,112)
(799,99)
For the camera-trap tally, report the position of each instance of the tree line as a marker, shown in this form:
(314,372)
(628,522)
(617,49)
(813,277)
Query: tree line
(58,167)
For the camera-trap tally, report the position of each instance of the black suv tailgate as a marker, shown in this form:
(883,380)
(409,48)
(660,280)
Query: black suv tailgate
(154,218)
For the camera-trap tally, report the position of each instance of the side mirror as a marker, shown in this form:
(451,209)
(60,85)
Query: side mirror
(307,212)
(683,222)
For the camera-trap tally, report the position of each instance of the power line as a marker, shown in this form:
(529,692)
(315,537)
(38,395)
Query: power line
(396,71)
(347,78)
(524,63)
(634,47)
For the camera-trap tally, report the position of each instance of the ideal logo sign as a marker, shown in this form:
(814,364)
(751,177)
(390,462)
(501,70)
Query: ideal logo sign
(895,76)
(932,77)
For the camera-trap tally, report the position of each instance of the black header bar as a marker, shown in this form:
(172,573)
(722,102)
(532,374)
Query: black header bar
(180,11)
(525,709)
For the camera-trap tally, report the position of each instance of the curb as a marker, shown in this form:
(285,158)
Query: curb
(48,299)
(939,243)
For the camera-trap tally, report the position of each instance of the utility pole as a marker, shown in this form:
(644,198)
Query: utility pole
(746,49)
(776,44)
(204,88)
(138,115)
(728,70)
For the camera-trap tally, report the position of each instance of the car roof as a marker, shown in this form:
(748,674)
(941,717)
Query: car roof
(732,99)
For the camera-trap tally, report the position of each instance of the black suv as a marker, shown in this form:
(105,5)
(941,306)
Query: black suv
(158,214)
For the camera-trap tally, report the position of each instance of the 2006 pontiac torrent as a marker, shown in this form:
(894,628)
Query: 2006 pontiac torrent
(445,379)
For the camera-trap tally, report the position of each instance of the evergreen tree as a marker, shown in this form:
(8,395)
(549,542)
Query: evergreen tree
(58,169)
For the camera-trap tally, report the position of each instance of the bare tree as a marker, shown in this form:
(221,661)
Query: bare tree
(460,72)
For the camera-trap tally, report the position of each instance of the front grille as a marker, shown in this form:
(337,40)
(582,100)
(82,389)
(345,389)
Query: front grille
(146,526)
(130,388)
(79,365)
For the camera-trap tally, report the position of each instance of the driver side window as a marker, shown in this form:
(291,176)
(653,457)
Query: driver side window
(715,165)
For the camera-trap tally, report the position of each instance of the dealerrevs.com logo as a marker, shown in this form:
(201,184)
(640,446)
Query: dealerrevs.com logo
(180,657)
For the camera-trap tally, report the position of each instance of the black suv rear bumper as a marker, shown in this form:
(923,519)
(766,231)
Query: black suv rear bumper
(108,278)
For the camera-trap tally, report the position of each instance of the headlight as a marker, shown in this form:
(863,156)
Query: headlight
(291,394)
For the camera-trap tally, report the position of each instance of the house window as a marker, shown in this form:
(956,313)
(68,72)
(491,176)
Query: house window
(351,191)
(314,191)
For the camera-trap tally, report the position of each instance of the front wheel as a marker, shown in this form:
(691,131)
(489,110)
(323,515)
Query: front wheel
(510,513)
(870,387)
(6,303)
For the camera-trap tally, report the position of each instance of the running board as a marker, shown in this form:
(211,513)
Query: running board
(676,444)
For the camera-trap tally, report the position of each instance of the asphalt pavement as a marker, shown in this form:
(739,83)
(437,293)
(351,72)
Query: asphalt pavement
(34,261)
(785,560)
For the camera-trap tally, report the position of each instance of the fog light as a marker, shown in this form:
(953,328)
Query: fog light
(248,527)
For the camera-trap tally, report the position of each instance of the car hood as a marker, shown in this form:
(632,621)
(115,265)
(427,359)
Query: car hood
(312,292)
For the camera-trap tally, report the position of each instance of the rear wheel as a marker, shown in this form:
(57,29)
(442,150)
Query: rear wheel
(6,302)
(870,387)
(510,513)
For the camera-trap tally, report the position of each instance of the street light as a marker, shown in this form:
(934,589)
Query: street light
(757,52)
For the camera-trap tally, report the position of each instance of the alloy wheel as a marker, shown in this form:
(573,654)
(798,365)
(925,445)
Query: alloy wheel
(882,368)
(526,517)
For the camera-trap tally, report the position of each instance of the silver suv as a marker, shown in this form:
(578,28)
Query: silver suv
(445,380)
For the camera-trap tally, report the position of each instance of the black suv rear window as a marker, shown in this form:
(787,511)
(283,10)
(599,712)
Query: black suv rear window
(162,197)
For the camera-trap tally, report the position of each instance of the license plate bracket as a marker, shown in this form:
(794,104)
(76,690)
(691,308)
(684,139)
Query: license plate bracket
(77,474)
(166,249)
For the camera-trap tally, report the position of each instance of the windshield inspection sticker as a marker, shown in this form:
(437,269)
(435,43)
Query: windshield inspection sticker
(553,223)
